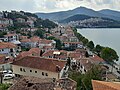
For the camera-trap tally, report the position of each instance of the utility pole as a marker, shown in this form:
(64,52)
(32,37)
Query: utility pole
(1,77)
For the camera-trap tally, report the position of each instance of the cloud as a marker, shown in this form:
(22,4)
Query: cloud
(57,5)
(27,5)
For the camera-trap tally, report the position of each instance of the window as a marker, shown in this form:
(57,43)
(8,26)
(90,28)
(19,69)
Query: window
(11,54)
(46,74)
(2,49)
(24,70)
(30,70)
(35,71)
(11,50)
(43,73)
(20,69)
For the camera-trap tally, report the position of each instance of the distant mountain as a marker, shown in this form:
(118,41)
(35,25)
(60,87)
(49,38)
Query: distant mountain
(90,22)
(110,12)
(58,16)
(77,17)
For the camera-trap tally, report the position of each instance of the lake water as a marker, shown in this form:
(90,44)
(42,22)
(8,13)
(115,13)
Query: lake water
(109,37)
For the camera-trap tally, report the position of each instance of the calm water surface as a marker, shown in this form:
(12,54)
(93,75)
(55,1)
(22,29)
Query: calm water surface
(109,37)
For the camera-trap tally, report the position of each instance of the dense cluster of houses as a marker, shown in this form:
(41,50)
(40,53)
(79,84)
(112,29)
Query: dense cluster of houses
(67,37)
(43,60)
(5,21)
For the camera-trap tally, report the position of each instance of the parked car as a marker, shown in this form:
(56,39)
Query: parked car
(8,76)
(5,72)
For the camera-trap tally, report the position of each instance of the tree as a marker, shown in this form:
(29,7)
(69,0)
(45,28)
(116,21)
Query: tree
(68,61)
(40,33)
(94,73)
(2,33)
(90,45)
(85,41)
(51,38)
(98,49)
(86,54)
(4,86)
(84,80)
(45,23)
(109,54)
(58,42)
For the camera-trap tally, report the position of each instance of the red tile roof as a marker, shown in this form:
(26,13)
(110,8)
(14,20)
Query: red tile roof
(102,85)
(31,52)
(4,45)
(23,54)
(35,39)
(35,51)
(86,63)
(62,55)
(40,63)
(44,41)
(33,83)
(8,35)
(75,55)
(23,37)
(25,40)
(4,60)
(97,58)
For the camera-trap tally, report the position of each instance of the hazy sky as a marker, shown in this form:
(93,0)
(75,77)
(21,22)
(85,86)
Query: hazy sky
(57,5)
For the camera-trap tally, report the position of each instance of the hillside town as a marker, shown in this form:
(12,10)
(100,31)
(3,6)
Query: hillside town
(35,56)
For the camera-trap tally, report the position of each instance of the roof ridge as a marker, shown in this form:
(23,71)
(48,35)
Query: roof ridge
(106,84)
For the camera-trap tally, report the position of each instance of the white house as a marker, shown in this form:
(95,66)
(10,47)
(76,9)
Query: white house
(30,22)
(11,37)
(20,20)
(73,39)
(5,62)
(44,42)
(74,45)
(6,22)
(30,43)
(39,67)
(8,49)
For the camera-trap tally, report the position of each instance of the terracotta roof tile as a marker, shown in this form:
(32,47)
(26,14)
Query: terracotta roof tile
(4,60)
(97,58)
(35,51)
(25,40)
(86,63)
(39,63)
(102,85)
(44,41)
(62,55)
(33,83)
(23,37)
(31,52)
(35,39)
(8,35)
(7,45)
(75,55)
